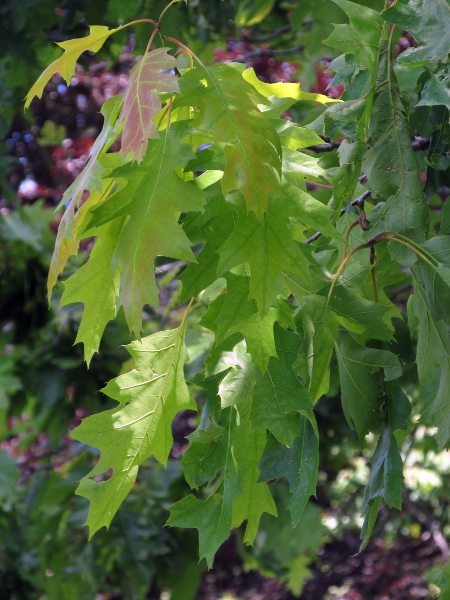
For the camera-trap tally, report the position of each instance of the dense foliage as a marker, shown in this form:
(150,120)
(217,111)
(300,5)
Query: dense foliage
(291,295)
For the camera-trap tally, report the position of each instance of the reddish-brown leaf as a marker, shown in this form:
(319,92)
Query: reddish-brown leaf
(141,100)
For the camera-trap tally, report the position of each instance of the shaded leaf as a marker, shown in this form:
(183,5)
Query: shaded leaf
(424,19)
(278,395)
(298,464)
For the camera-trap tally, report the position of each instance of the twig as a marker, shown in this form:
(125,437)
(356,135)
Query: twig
(329,147)
(359,201)
(266,52)
(419,143)
(276,33)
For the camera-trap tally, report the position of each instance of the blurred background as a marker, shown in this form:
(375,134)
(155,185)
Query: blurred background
(45,388)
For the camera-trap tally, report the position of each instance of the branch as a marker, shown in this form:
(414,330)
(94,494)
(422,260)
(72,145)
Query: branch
(329,147)
(263,52)
(276,33)
(419,143)
(359,201)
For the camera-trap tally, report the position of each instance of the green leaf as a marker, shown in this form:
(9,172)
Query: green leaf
(319,329)
(236,386)
(213,516)
(141,100)
(433,352)
(97,288)
(345,178)
(360,384)
(233,312)
(228,109)
(390,162)
(278,395)
(256,498)
(366,319)
(387,473)
(299,464)
(268,250)
(284,90)
(150,396)
(74,221)
(65,65)
(252,12)
(424,19)
(436,90)
(153,198)
(361,37)
(213,226)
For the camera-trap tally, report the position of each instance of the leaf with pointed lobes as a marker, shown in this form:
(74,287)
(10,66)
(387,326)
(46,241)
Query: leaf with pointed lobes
(320,328)
(360,384)
(141,101)
(269,251)
(284,90)
(255,499)
(233,312)
(279,396)
(361,36)
(212,227)
(150,396)
(213,516)
(228,109)
(70,232)
(426,20)
(299,464)
(97,288)
(391,165)
(65,64)
(153,198)
(433,358)
(90,179)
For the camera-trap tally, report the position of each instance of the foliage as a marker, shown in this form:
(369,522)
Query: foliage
(294,294)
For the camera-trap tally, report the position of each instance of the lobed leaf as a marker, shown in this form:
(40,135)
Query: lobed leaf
(150,397)
(141,101)
(65,64)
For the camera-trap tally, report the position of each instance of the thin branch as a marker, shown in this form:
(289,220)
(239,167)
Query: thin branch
(359,201)
(329,147)
(265,52)
(419,143)
(276,33)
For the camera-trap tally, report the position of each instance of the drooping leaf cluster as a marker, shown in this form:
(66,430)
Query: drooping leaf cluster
(210,174)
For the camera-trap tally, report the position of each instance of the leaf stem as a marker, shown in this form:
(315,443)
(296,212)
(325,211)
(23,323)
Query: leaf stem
(185,48)
(166,9)
(384,238)
(187,54)
(342,265)
(372,273)
(400,235)
(187,312)
(154,23)
(152,37)
(347,235)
